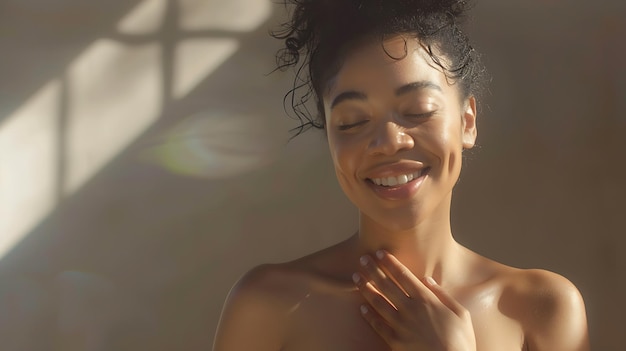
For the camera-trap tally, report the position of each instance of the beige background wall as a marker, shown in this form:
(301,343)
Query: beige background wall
(132,243)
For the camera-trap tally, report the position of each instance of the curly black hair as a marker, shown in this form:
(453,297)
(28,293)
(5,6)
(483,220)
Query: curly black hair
(324,31)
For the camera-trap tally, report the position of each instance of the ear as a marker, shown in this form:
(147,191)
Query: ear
(469,123)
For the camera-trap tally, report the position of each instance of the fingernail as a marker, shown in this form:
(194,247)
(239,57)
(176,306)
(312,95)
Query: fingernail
(363,309)
(356,277)
(431,281)
(380,254)
(363,260)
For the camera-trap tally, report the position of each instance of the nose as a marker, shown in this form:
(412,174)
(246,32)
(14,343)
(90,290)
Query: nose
(390,138)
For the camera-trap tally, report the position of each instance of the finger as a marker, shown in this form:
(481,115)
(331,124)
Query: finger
(378,324)
(376,300)
(407,281)
(384,284)
(445,298)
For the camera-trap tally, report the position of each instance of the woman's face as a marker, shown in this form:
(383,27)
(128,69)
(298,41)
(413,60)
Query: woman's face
(396,131)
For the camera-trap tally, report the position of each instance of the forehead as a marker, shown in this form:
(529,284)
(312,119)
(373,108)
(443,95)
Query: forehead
(389,63)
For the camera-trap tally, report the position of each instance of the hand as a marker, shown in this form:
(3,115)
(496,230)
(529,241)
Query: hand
(410,314)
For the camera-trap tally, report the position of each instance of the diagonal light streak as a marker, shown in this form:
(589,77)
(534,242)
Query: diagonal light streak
(114,93)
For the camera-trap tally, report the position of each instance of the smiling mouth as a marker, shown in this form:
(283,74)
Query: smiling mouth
(400,179)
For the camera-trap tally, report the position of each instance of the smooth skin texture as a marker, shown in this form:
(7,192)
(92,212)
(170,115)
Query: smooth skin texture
(401,282)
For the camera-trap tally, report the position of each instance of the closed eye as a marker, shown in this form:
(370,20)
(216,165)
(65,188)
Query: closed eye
(421,115)
(350,126)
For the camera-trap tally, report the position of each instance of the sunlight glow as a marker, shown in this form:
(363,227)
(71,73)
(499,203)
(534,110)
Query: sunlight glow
(232,15)
(216,145)
(189,69)
(145,18)
(107,97)
(116,94)
(28,164)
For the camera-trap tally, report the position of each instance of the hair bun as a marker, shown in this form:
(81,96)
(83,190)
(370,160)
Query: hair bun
(455,8)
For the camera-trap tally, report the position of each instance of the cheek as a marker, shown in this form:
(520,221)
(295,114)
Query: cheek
(443,140)
(452,140)
(436,139)
(343,158)
(346,158)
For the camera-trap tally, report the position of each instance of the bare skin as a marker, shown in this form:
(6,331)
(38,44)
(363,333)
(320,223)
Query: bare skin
(401,282)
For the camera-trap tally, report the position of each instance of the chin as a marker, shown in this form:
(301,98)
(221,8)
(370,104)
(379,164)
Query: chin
(395,220)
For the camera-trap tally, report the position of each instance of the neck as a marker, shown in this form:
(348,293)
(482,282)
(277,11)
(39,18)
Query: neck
(428,249)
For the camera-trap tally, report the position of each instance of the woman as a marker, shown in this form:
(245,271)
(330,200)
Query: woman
(395,85)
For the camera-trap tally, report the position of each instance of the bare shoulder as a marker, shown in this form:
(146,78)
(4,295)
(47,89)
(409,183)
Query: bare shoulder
(257,311)
(269,283)
(549,308)
(255,314)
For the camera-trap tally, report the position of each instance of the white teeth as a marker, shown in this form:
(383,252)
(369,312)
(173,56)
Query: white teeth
(403,179)
(399,180)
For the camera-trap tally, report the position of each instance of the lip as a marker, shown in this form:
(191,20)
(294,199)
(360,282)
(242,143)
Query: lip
(398,192)
(394,169)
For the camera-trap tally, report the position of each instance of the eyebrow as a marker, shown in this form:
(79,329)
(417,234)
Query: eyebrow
(420,85)
(405,89)
(348,95)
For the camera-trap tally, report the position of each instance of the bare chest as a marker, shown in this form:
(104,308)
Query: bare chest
(331,321)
